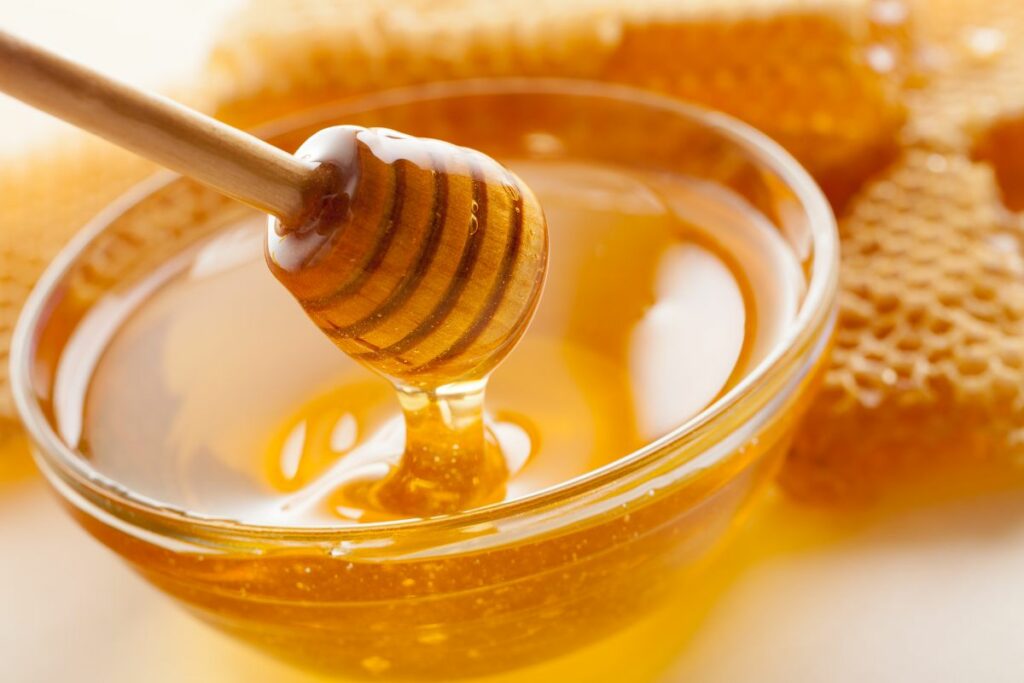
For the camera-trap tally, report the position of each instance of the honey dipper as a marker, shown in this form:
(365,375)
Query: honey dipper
(422,259)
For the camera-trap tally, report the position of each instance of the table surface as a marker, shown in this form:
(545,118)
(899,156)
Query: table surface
(934,593)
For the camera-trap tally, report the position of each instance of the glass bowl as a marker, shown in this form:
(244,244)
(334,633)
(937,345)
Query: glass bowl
(493,588)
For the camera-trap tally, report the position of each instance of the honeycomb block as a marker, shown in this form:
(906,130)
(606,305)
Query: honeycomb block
(928,368)
(929,364)
(44,200)
(820,77)
(970,65)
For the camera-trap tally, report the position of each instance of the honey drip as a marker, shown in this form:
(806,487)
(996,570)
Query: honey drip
(424,261)
(451,462)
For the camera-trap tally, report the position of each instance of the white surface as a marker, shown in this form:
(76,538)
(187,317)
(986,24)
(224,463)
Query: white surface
(933,595)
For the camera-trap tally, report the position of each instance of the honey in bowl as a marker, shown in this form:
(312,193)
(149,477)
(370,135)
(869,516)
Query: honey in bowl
(221,444)
(661,296)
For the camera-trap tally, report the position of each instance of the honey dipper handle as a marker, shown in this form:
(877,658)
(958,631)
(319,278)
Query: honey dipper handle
(234,162)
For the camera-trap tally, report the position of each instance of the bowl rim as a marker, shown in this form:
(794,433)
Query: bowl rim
(810,329)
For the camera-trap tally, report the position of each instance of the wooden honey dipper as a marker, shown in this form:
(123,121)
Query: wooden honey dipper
(422,259)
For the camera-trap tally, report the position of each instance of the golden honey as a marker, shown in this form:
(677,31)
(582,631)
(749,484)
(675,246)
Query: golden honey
(197,424)
(659,300)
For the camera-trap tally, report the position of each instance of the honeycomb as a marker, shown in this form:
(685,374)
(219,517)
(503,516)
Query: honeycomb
(929,364)
(971,62)
(819,76)
(43,201)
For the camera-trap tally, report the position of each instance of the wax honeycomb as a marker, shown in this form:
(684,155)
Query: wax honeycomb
(929,362)
(820,77)
(928,367)
(44,199)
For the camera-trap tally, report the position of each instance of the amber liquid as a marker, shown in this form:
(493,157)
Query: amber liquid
(215,395)
(203,387)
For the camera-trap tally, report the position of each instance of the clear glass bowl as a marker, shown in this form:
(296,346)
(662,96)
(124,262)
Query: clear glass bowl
(496,587)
